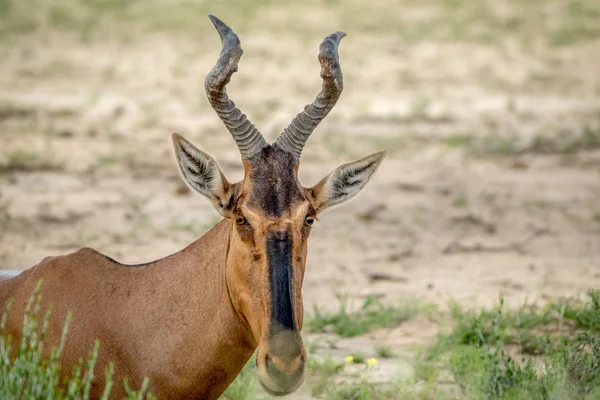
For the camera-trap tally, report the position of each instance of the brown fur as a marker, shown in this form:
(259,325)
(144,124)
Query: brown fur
(181,339)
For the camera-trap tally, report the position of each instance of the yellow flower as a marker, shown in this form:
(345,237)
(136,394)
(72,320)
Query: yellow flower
(349,359)
(371,362)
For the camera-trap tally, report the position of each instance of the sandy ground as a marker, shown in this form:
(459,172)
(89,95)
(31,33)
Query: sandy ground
(491,184)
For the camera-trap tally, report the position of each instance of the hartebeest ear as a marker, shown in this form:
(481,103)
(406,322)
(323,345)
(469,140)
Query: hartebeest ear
(345,181)
(202,173)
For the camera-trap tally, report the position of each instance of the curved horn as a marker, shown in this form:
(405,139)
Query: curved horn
(248,138)
(296,134)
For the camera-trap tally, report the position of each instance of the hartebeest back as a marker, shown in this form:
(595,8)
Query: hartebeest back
(190,321)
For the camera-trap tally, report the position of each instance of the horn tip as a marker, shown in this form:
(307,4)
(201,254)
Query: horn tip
(217,22)
(333,40)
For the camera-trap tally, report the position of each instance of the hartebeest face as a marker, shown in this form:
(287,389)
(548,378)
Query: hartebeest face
(272,218)
(270,212)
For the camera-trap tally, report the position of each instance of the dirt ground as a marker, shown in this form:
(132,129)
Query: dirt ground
(491,184)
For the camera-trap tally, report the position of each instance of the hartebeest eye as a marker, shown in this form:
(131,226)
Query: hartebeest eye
(309,220)
(241,220)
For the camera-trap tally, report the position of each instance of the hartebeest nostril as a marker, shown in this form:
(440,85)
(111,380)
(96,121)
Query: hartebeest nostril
(269,362)
(287,376)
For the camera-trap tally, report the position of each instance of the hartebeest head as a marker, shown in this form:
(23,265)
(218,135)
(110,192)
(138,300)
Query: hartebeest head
(271,213)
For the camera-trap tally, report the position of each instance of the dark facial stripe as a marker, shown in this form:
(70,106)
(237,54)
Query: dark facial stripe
(279,254)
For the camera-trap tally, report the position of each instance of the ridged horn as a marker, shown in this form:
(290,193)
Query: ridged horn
(294,137)
(248,139)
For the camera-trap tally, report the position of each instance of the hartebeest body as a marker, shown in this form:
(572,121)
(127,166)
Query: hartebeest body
(190,321)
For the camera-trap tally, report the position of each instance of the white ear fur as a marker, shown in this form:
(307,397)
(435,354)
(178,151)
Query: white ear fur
(202,174)
(346,181)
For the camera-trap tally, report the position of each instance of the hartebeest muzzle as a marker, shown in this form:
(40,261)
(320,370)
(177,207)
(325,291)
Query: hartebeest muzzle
(281,360)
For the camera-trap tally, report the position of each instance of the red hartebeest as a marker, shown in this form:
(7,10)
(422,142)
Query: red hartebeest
(190,321)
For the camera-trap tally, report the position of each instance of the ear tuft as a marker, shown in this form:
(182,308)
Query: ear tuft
(346,181)
(199,170)
(202,173)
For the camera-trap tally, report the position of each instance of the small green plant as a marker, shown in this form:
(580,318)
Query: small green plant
(32,375)
(373,314)
(587,318)
(384,351)
(357,358)
(459,140)
(362,390)
(460,201)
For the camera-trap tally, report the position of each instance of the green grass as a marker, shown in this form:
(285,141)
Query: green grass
(27,161)
(550,352)
(586,317)
(362,390)
(555,352)
(107,19)
(459,140)
(371,315)
(9,110)
(561,143)
(31,374)
(555,22)
(566,142)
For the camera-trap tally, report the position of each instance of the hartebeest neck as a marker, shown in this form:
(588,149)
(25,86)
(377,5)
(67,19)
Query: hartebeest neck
(217,339)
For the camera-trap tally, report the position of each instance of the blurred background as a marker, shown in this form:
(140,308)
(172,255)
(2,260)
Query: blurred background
(489,111)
